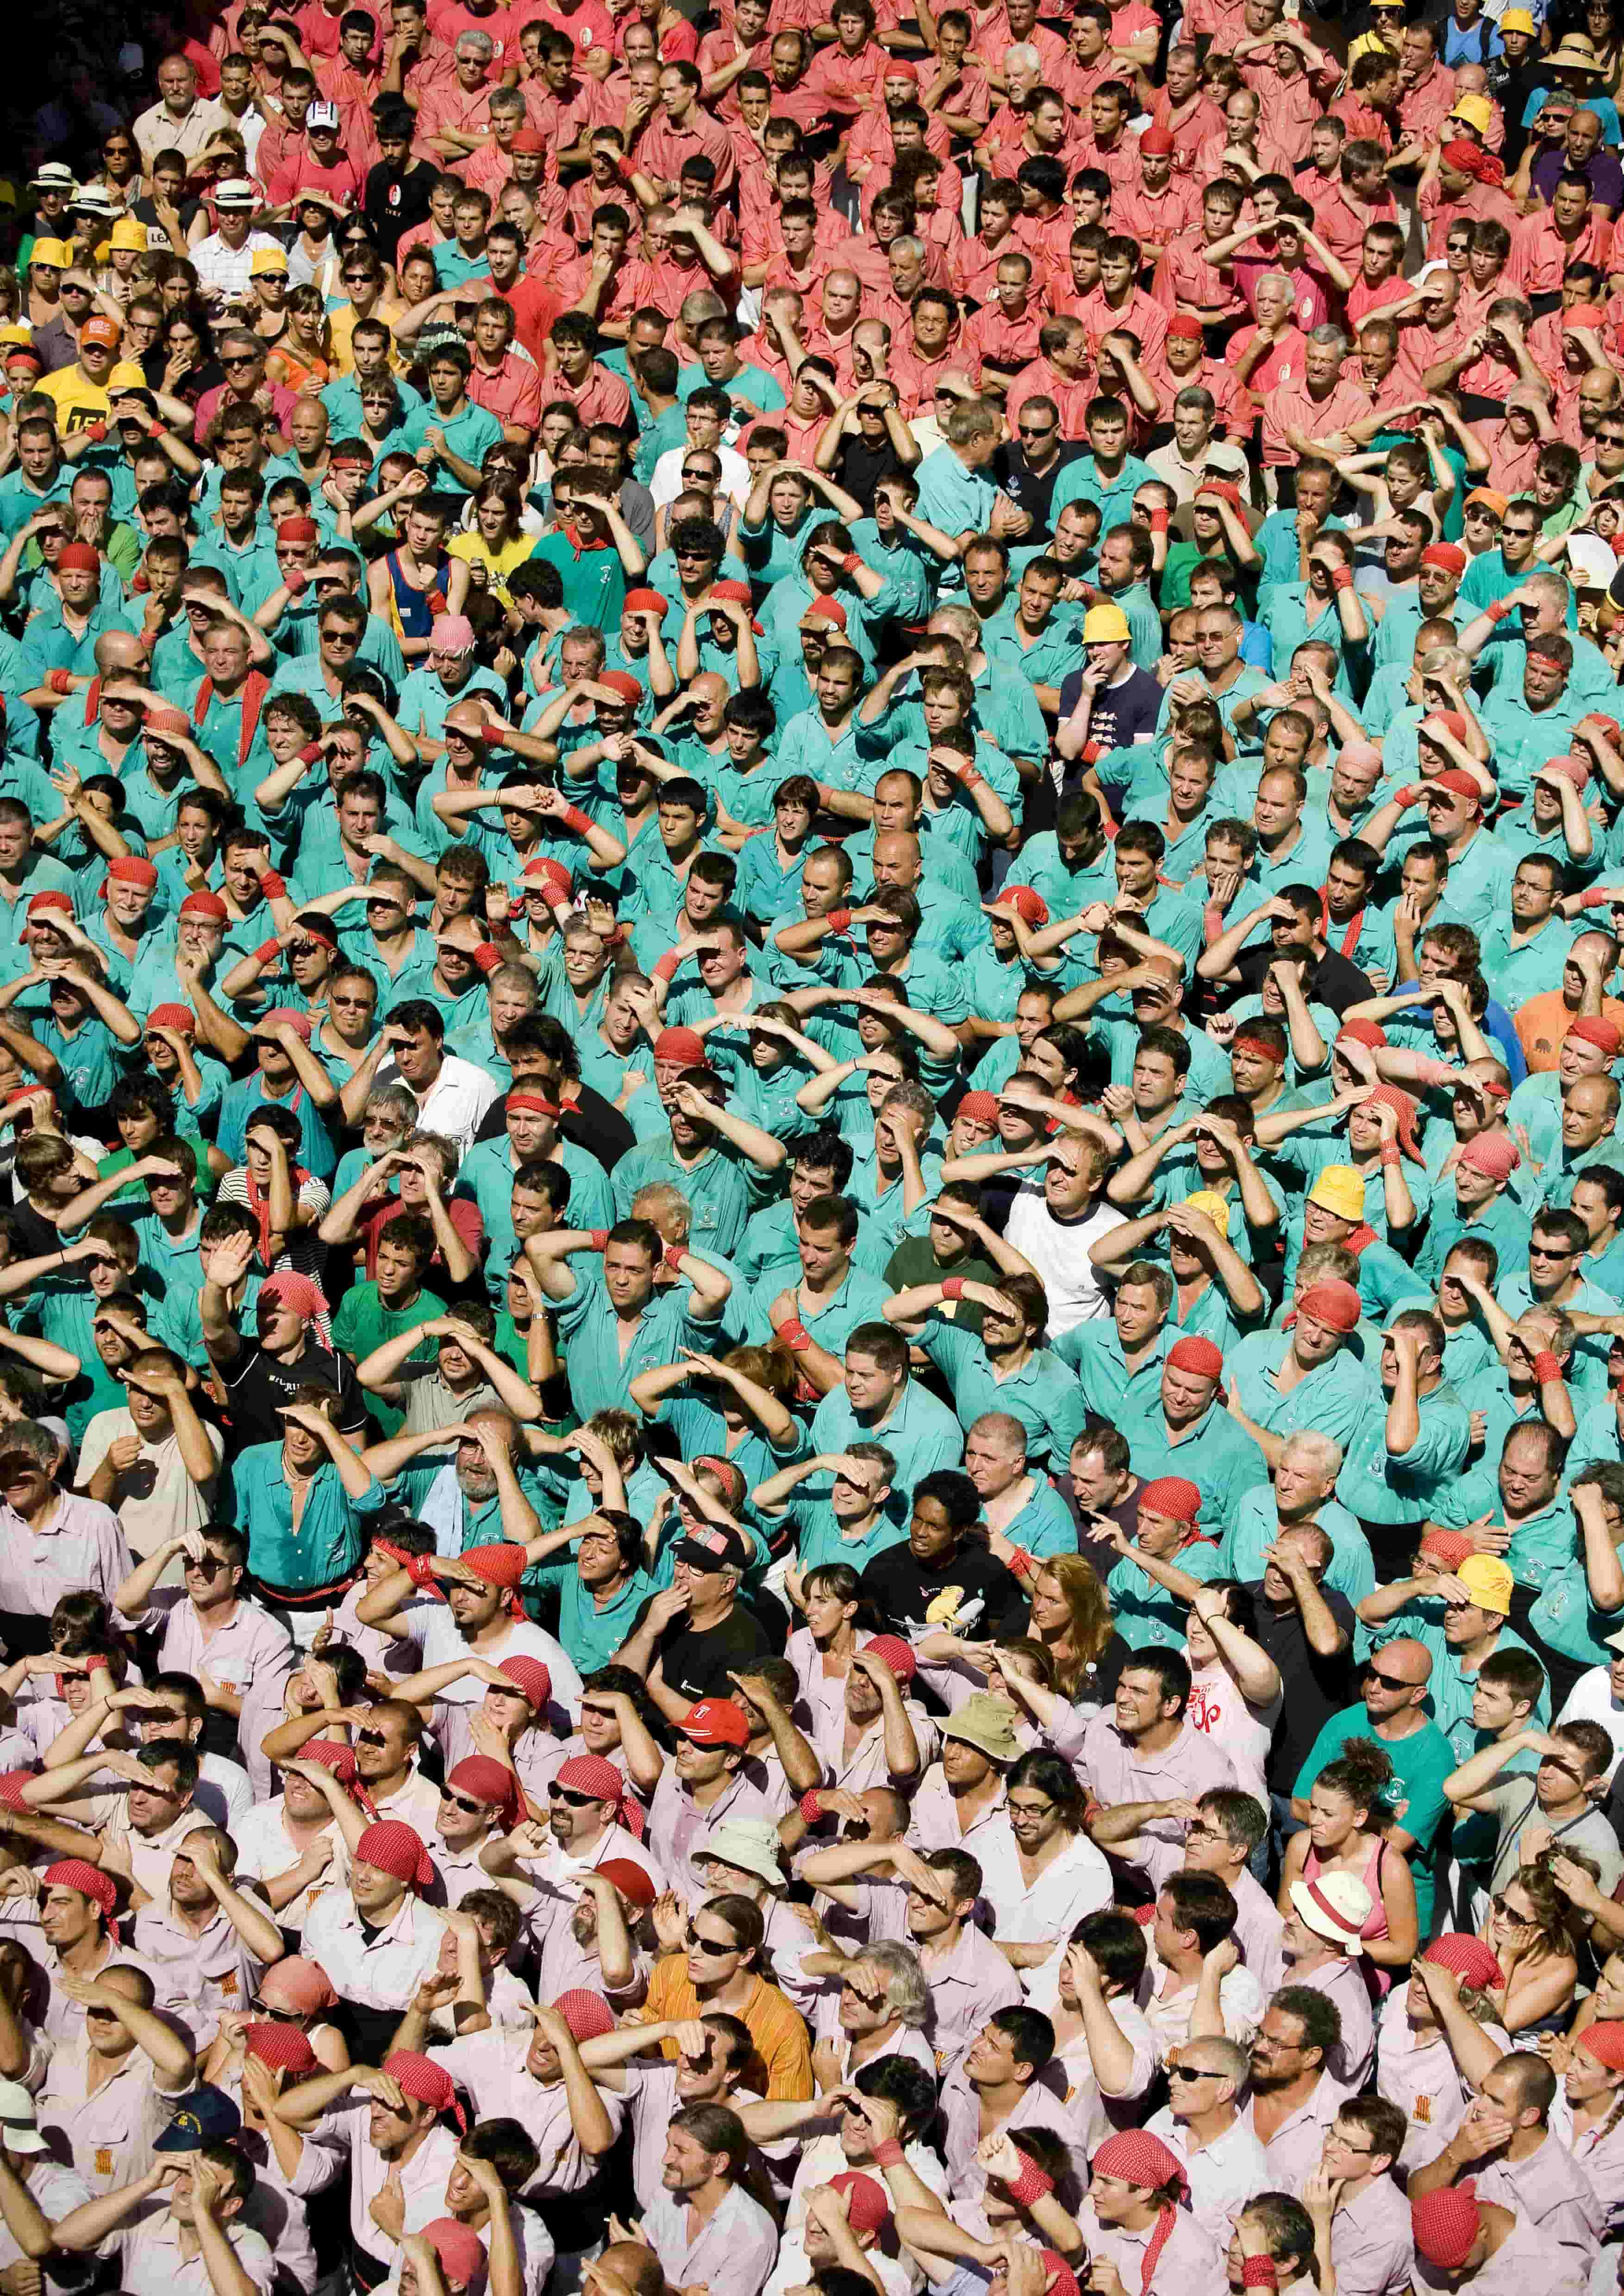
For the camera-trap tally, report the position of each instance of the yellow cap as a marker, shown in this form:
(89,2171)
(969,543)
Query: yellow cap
(1104,624)
(1476,110)
(1339,1189)
(10,335)
(1488,1581)
(1207,1201)
(265,261)
(1518,20)
(129,234)
(53,251)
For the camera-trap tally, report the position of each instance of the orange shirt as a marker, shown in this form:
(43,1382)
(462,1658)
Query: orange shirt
(781,2066)
(1542,1023)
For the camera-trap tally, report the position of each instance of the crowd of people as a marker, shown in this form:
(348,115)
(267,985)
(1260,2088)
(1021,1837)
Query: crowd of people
(812,1297)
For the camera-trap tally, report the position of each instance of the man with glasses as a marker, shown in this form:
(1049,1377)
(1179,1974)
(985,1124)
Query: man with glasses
(1494,574)
(1373,2245)
(707,414)
(1201,2125)
(242,356)
(211,1628)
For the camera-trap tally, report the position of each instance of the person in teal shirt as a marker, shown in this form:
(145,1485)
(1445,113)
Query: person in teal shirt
(458,434)
(1405,1456)
(1393,1713)
(615,1323)
(324,1548)
(1006,1367)
(593,550)
(956,494)
(1108,474)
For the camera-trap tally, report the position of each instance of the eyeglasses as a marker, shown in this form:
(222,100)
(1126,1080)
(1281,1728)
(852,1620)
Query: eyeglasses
(1037,429)
(1388,1681)
(371,1738)
(240,358)
(555,1792)
(1506,1913)
(717,1947)
(205,1565)
(333,997)
(461,1802)
(1192,2073)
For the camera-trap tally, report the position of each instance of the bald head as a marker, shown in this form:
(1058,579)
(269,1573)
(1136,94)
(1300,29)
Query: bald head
(1405,1657)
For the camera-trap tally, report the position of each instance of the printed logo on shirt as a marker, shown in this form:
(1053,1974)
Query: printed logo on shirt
(104,2160)
(1421,2110)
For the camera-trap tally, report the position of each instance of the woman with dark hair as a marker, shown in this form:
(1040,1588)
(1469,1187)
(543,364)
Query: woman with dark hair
(1347,1832)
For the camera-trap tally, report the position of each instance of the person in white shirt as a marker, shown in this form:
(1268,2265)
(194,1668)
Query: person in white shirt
(1598,1696)
(452,1097)
(223,260)
(1222,2161)
(1055,1222)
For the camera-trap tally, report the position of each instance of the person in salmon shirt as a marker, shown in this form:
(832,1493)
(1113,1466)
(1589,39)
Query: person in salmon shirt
(1368,107)
(723,56)
(977,260)
(1162,205)
(1183,107)
(1461,180)
(1001,339)
(1295,79)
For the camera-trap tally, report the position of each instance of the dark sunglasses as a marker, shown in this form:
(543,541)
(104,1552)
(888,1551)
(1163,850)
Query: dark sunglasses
(371,1738)
(461,1802)
(555,1792)
(712,1946)
(1189,2073)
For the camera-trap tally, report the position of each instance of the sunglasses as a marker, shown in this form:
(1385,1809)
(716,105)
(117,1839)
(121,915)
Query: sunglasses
(556,1792)
(713,1946)
(277,2016)
(461,1802)
(1191,2073)
(247,358)
(1389,1681)
(371,1738)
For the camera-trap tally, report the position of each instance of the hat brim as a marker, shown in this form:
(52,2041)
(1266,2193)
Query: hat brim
(23,2140)
(995,1751)
(1315,1917)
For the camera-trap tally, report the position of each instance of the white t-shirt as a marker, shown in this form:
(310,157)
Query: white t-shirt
(1591,1700)
(1060,1249)
(154,1498)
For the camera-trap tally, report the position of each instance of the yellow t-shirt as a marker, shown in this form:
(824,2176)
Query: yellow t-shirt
(498,564)
(80,402)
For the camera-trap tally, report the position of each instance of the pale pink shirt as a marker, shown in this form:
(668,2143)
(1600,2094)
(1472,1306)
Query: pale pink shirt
(1372,2247)
(730,2254)
(1524,2260)
(82,1546)
(966,1986)
(1117,1771)
(1418,2074)
(1190,2263)
(1342,1982)
(1042,2106)
(1222,2176)
(491,2066)
(1295,2147)
(1553,2192)
(198,1975)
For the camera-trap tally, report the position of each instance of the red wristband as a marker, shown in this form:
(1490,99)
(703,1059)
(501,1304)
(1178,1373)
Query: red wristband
(311,754)
(1391,1153)
(811,1806)
(1342,580)
(794,1334)
(1434,1073)
(1259,2272)
(838,921)
(60,680)
(613,937)
(1548,1367)
(598,1237)
(97,430)
(267,952)
(851,560)
(672,1258)
(1497,611)
(273,885)
(953,1287)
(489,738)
(1408,795)
(1022,1563)
(295,581)
(971,777)
(666,970)
(574,819)
(437,602)
(1031,2184)
(888,2154)
(1158,521)
(1091,753)
(488,956)
(154,430)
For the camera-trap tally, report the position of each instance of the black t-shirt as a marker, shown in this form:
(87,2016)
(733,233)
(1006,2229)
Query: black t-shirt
(697,1662)
(1335,980)
(1033,490)
(394,204)
(256,1384)
(1315,1688)
(900,1586)
(591,1122)
(1122,713)
(859,468)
